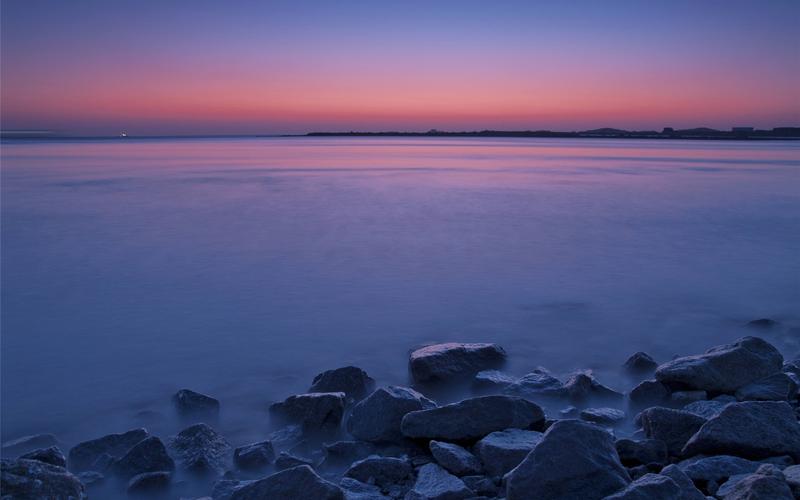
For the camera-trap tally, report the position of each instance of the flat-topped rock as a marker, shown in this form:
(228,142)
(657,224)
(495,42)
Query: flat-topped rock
(254,456)
(435,483)
(32,479)
(377,417)
(83,456)
(492,380)
(51,455)
(501,451)
(440,362)
(191,404)
(673,427)
(352,381)
(315,411)
(148,455)
(290,484)
(650,487)
(455,459)
(200,449)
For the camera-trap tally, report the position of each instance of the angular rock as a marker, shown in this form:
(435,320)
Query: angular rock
(193,404)
(90,478)
(346,452)
(356,490)
(32,479)
(83,456)
(728,485)
(649,487)
(716,468)
(435,483)
(646,451)
(706,409)
(200,449)
(574,460)
(315,412)
(450,360)
(537,385)
(148,455)
(751,430)
(377,418)
(724,368)
(688,490)
(51,455)
(582,386)
(224,488)
(381,471)
(683,398)
(673,427)
(288,461)
(776,387)
(455,459)
(28,443)
(492,380)
(792,475)
(254,456)
(603,416)
(352,381)
(286,437)
(767,482)
(501,451)
(472,418)
(640,363)
(648,393)
(149,483)
(290,484)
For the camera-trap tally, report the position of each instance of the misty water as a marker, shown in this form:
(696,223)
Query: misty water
(243,267)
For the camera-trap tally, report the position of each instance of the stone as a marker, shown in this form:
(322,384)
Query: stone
(343,453)
(84,455)
(32,479)
(642,452)
(315,412)
(539,384)
(472,418)
(649,487)
(492,381)
(763,323)
(724,368)
(688,490)
(193,404)
(455,459)
(716,468)
(28,443)
(683,398)
(574,460)
(356,490)
(441,362)
(673,427)
(603,416)
(51,455)
(792,475)
(148,455)
(706,409)
(200,449)
(352,381)
(767,482)
(751,430)
(501,451)
(640,363)
(435,483)
(481,485)
(254,456)
(290,484)
(728,485)
(582,386)
(381,471)
(377,417)
(149,483)
(776,387)
(648,393)
(287,461)
(224,488)
(286,437)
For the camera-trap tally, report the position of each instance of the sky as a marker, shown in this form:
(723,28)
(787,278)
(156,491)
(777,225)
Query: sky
(258,67)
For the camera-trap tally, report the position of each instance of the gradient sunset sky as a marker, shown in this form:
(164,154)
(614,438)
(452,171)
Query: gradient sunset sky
(197,67)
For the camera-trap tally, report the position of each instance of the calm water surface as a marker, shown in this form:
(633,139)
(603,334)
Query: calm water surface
(243,267)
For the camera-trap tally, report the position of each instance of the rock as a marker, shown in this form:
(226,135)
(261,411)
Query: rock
(352,381)
(569,412)
(728,485)
(575,459)
(200,449)
(767,482)
(286,437)
(688,489)
(32,479)
(445,361)
(381,471)
(288,461)
(193,404)
(356,490)
(224,488)
(343,453)
(501,451)
(51,455)
(148,455)
(254,456)
(83,456)
(28,443)
(642,452)
(290,484)
(776,387)
(537,385)
(648,393)
(377,418)
(316,411)
(481,485)
(149,483)
(435,483)
(603,416)
(640,363)
(582,386)
(673,427)
(91,478)
(683,398)
(724,368)
(751,430)
(762,323)
(792,475)
(649,487)
(492,381)
(455,459)
(706,409)
(472,418)
(716,468)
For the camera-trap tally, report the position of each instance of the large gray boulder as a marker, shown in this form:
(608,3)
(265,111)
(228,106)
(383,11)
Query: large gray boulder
(501,451)
(472,418)
(377,417)
(315,412)
(751,430)
(455,459)
(191,404)
(84,456)
(51,455)
(688,490)
(724,368)
(768,483)
(352,381)
(445,361)
(148,455)
(776,387)
(32,479)
(673,427)
(200,449)
(574,460)
(650,487)
(290,484)
(381,471)
(435,483)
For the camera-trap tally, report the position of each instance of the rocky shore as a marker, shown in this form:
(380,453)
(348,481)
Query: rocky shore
(723,424)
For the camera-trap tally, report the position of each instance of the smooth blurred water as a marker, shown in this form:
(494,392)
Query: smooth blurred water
(242,267)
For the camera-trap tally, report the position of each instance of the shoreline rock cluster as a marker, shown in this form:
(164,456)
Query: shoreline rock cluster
(722,424)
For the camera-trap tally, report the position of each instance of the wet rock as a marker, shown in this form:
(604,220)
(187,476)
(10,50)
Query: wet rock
(254,456)
(492,381)
(575,459)
(762,323)
(688,490)
(377,418)
(28,443)
(193,404)
(343,453)
(381,471)
(751,430)
(724,368)
(455,459)
(673,427)
(683,398)
(767,482)
(642,452)
(603,416)
(51,455)
(472,418)
(315,412)
(32,479)
(792,475)
(148,455)
(582,386)
(286,437)
(537,385)
(706,409)
(648,393)
(776,387)
(649,487)
(91,478)
(640,363)
(716,468)
(290,484)
(435,483)
(446,361)
(149,483)
(352,381)
(288,461)
(200,449)
(501,451)
(356,490)
(83,456)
